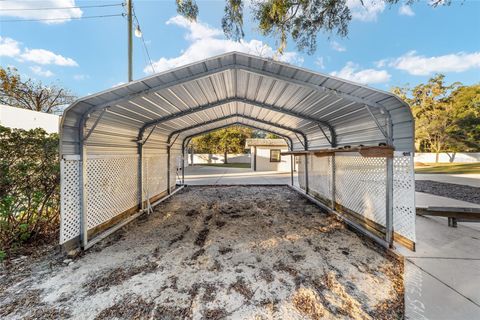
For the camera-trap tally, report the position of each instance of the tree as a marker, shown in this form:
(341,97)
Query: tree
(31,94)
(272,136)
(446,116)
(227,140)
(302,20)
(465,110)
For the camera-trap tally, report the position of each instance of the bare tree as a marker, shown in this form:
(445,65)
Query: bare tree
(31,94)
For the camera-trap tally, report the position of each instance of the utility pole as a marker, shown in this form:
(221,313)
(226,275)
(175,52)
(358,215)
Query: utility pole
(130,49)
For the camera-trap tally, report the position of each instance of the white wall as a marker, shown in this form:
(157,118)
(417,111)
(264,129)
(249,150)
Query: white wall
(27,119)
(202,158)
(447,157)
(263,160)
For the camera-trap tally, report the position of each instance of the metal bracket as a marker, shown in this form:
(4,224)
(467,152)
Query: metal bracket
(148,136)
(89,133)
(300,140)
(385,133)
(332,141)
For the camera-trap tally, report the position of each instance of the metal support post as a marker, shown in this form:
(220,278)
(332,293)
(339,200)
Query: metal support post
(254,158)
(83,181)
(306,173)
(305,145)
(83,187)
(292,166)
(140,175)
(333,182)
(168,168)
(389,202)
(183,165)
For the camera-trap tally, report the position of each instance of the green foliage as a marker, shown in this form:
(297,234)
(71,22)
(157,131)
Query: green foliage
(31,94)
(301,20)
(446,116)
(272,136)
(227,140)
(188,9)
(465,108)
(29,186)
(232,22)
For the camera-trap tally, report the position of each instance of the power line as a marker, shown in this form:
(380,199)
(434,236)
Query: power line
(143,41)
(67,18)
(61,8)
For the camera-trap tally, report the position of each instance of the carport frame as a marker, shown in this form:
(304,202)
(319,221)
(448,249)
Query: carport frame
(348,93)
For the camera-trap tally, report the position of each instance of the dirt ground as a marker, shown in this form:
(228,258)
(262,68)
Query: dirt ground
(214,253)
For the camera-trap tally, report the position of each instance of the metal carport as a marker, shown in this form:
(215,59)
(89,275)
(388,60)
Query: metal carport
(121,148)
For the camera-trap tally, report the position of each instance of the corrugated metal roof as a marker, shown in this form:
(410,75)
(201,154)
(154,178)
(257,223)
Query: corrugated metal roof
(238,88)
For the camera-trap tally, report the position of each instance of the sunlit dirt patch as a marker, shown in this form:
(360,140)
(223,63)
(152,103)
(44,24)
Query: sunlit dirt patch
(217,253)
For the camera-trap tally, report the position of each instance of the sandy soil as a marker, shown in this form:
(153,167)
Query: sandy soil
(214,253)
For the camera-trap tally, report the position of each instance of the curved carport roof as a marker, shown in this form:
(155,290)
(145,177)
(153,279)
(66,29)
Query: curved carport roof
(310,109)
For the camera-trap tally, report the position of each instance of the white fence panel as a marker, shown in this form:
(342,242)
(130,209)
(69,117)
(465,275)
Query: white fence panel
(360,186)
(112,187)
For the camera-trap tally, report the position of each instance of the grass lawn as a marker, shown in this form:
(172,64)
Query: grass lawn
(453,168)
(228,165)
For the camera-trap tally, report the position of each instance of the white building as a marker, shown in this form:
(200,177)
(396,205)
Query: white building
(266,155)
(19,118)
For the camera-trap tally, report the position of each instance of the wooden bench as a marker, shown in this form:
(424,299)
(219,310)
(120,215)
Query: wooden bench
(454,214)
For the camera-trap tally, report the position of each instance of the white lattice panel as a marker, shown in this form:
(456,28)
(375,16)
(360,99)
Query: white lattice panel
(155,174)
(112,187)
(404,196)
(360,185)
(70,200)
(320,176)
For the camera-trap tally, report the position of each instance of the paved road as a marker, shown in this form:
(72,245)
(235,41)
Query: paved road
(211,175)
(441,278)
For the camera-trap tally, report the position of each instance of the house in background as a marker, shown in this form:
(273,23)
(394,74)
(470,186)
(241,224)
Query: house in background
(19,118)
(266,155)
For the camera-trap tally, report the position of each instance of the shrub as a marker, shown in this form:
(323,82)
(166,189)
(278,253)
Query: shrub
(29,186)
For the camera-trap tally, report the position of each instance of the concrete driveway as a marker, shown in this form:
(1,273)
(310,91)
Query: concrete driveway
(212,175)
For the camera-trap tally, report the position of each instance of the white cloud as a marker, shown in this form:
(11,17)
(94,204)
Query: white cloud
(338,47)
(41,72)
(206,42)
(62,14)
(368,11)
(12,49)
(320,62)
(42,56)
(197,31)
(420,65)
(9,47)
(118,84)
(406,10)
(80,77)
(366,76)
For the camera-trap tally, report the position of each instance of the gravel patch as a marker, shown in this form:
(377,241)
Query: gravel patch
(241,253)
(449,190)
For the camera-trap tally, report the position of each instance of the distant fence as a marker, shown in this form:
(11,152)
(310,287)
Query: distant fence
(448,157)
(203,158)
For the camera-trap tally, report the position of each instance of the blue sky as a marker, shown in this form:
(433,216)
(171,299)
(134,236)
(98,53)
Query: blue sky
(386,46)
